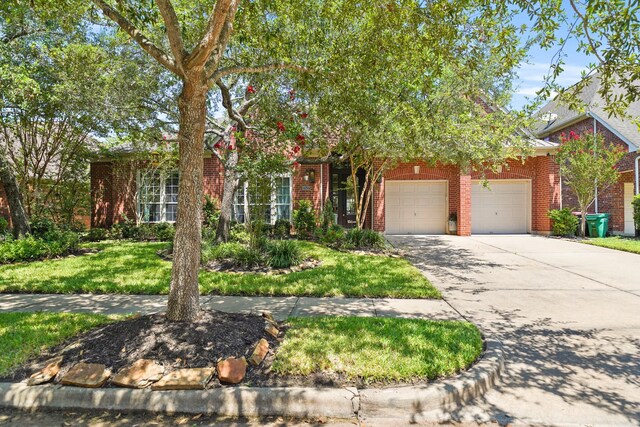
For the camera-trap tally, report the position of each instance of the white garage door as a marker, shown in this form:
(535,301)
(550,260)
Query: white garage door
(415,207)
(629,227)
(503,207)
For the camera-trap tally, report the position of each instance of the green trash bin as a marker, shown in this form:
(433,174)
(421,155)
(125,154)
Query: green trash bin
(598,224)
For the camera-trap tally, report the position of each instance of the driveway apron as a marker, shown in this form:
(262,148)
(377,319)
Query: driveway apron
(567,313)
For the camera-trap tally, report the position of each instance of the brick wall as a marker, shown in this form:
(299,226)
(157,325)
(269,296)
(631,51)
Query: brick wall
(306,190)
(213,177)
(610,200)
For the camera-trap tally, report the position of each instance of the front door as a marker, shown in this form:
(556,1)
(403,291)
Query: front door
(343,197)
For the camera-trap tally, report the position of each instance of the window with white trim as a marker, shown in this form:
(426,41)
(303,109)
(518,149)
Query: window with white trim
(157,196)
(269,199)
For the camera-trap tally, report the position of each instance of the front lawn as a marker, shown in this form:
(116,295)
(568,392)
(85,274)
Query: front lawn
(119,267)
(135,268)
(25,335)
(341,274)
(377,349)
(627,244)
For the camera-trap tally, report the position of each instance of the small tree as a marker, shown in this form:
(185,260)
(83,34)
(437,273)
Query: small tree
(587,165)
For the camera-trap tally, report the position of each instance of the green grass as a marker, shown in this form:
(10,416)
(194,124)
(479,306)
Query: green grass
(377,349)
(25,335)
(627,244)
(119,267)
(135,268)
(341,274)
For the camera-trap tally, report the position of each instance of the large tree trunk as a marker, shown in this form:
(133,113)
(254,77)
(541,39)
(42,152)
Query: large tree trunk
(19,218)
(184,294)
(229,189)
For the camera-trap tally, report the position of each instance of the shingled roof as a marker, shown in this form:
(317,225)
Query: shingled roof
(555,115)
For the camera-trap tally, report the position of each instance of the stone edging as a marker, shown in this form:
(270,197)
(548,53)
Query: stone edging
(297,402)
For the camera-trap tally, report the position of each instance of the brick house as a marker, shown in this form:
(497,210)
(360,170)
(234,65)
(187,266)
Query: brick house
(556,119)
(412,198)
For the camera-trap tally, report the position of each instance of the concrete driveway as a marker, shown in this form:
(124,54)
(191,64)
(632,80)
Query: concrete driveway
(567,313)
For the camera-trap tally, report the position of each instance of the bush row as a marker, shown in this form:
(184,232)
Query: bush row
(51,244)
(162,231)
(324,229)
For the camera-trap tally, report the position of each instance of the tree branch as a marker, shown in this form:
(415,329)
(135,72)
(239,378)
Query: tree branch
(222,72)
(585,27)
(146,44)
(23,33)
(228,105)
(219,17)
(173,29)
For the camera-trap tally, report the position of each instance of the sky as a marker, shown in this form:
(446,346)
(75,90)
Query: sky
(531,74)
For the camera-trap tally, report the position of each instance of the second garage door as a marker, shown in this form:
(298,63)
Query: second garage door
(503,208)
(415,207)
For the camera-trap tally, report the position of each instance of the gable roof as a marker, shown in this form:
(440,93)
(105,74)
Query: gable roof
(555,115)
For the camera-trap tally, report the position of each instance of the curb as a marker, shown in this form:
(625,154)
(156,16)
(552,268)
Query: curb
(412,401)
(294,402)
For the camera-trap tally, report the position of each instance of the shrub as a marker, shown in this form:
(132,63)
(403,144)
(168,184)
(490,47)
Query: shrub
(235,252)
(364,239)
(636,212)
(283,254)
(97,234)
(125,230)
(238,233)
(208,234)
(210,212)
(164,231)
(41,226)
(328,217)
(334,236)
(304,219)
(281,229)
(4,225)
(52,244)
(564,222)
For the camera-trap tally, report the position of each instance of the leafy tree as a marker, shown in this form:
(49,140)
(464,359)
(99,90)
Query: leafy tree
(587,165)
(62,86)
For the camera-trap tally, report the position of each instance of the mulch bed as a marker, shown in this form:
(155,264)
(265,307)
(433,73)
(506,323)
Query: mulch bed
(230,266)
(214,336)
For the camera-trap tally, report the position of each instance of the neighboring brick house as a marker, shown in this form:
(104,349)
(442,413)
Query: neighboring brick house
(412,198)
(556,119)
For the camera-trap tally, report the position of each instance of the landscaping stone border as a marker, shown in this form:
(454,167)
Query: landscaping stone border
(296,402)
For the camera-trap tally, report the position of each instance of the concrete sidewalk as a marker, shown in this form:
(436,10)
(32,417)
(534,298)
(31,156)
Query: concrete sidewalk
(281,307)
